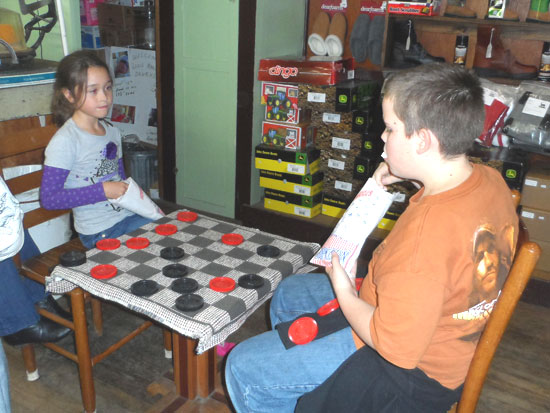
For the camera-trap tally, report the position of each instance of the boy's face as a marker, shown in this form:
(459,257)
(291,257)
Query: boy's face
(398,146)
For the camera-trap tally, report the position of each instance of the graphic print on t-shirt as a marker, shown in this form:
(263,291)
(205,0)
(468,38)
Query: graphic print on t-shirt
(107,169)
(492,256)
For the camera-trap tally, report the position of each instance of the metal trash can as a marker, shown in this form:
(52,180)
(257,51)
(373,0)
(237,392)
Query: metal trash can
(140,162)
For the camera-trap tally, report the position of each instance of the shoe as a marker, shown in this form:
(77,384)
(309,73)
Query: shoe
(502,63)
(45,331)
(415,56)
(50,304)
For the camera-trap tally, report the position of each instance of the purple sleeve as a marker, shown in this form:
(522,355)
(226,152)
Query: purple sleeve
(53,194)
(121,171)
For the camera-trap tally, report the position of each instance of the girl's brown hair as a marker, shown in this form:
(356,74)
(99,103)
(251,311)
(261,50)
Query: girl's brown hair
(72,75)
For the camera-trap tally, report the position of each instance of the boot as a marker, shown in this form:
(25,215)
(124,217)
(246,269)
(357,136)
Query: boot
(538,12)
(457,9)
(501,63)
(401,58)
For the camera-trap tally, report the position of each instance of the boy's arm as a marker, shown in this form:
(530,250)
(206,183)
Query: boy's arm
(357,312)
(54,195)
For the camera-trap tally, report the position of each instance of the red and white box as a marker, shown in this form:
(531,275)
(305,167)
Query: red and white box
(88,12)
(291,137)
(315,70)
(281,103)
(429,8)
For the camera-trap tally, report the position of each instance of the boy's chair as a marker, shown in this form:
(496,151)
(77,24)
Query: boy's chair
(26,147)
(527,255)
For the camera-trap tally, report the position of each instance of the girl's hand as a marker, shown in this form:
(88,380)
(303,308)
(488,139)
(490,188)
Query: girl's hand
(383,176)
(339,277)
(114,190)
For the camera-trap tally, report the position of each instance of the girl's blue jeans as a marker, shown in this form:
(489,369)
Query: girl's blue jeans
(125,226)
(262,376)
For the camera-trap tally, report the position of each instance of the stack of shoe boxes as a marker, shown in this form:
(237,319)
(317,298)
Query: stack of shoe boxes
(535,210)
(344,115)
(286,157)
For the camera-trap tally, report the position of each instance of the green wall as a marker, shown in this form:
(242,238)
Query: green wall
(288,16)
(52,48)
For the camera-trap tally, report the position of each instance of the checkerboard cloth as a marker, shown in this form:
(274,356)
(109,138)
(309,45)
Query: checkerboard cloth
(205,257)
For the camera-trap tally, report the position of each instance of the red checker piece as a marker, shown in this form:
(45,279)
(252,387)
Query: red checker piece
(328,307)
(232,239)
(108,244)
(303,330)
(358,283)
(222,284)
(103,271)
(187,216)
(137,243)
(166,229)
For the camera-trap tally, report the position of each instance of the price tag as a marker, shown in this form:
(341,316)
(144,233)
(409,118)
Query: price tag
(316,97)
(331,117)
(296,169)
(302,190)
(303,212)
(333,163)
(341,143)
(344,186)
(527,214)
(536,107)
(531,182)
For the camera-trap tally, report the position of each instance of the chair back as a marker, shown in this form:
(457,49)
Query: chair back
(22,142)
(527,255)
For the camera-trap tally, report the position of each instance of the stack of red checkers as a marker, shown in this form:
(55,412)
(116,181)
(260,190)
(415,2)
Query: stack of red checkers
(108,244)
(232,239)
(103,271)
(137,243)
(166,229)
(222,284)
(303,330)
(328,308)
(187,216)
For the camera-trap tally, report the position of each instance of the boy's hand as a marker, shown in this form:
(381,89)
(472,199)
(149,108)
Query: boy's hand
(339,278)
(114,190)
(383,176)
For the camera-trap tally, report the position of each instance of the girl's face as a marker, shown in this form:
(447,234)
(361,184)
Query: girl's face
(97,97)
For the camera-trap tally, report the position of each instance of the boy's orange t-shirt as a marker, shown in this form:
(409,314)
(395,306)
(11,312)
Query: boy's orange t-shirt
(436,276)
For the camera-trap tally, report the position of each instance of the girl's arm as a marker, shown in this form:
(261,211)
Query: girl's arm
(54,195)
(121,170)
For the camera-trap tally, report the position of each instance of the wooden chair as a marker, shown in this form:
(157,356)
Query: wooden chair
(527,255)
(22,142)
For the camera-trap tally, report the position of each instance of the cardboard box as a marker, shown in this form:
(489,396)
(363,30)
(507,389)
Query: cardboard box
(333,120)
(292,116)
(423,9)
(372,146)
(537,222)
(291,137)
(536,187)
(364,167)
(307,185)
(329,138)
(334,206)
(342,188)
(362,121)
(88,12)
(292,162)
(120,25)
(317,70)
(90,37)
(303,206)
(280,94)
(543,263)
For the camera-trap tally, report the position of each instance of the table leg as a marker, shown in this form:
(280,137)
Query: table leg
(193,374)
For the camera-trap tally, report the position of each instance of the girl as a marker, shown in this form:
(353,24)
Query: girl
(83,165)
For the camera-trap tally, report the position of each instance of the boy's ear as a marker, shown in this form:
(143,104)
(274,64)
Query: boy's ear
(68,95)
(425,140)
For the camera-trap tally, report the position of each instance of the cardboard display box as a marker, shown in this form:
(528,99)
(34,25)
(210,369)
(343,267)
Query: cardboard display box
(543,263)
(307,185)
(429,8)
(291,137)
(537,222)
(334,206)
(340,188)
(303,206)
(536,187)
(329,138)
(317,70)
(333,120)
(337,165)
(372,146)
(120,25)
(281,160)
(281,102)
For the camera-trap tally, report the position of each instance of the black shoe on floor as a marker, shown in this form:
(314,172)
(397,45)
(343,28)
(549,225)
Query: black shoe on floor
(45,331)
(50,304)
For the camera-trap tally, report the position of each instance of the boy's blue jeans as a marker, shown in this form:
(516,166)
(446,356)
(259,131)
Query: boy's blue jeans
(125,226)
(262,376)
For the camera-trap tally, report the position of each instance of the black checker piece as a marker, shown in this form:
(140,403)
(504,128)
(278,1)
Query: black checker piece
(72,258)
(172,253)
(144,288)
(189,302)
(174,270)
(185,285)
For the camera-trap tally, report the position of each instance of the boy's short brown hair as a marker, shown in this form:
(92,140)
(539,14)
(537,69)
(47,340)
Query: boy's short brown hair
(446,99)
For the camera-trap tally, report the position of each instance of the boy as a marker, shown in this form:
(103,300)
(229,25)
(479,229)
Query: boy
(413,320)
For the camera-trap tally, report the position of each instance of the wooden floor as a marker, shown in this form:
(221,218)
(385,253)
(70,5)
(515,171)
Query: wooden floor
(136,378)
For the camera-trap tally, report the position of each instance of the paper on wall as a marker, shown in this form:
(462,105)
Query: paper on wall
(359,220)
(137,201)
